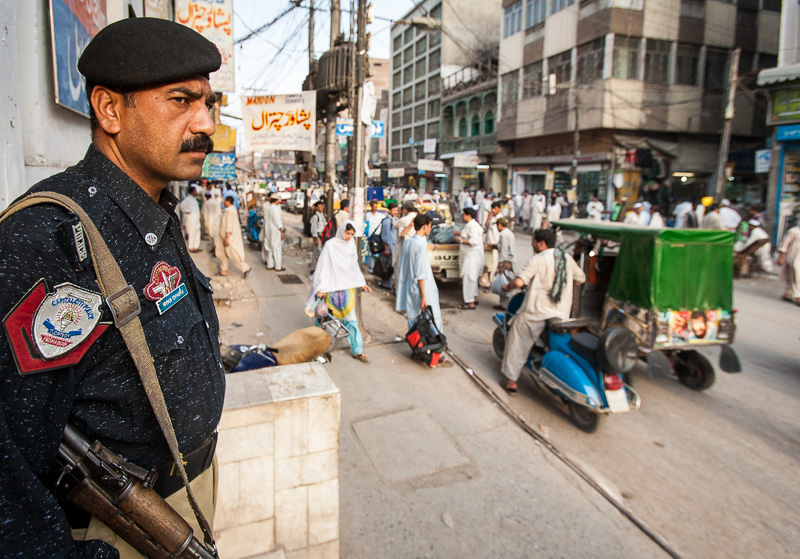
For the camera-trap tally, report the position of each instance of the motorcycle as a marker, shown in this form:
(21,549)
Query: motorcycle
(584,371)
(255,223)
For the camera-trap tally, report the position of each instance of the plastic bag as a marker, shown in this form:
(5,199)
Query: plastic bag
(497,285)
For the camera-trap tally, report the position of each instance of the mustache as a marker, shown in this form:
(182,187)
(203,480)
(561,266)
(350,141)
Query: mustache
(198,143)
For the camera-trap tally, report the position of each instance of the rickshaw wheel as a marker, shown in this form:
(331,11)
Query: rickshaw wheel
(694,370)
(583,418)
(499,342)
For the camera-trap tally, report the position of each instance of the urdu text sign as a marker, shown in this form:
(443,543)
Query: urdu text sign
(280,122)
(213,19)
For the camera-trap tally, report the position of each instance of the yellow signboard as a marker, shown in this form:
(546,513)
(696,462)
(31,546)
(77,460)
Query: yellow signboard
(224,138)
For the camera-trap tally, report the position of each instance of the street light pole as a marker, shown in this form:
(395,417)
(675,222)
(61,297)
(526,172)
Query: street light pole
(725,140)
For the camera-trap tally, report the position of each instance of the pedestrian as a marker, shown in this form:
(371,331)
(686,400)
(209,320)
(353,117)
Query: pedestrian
(342,214)
(416,286)
(141,139)
(190,210)
(317,224)
(506,248)
(789,258)
(404,228)
(712,219)
(527,210)
(212,213)
(229,191)
(519,198)
(373,218)
(553,211)
(229,243)
(762,255)
(389,238)
(492,237)
(538,210)
(508,211)
(550,275)
(470,258)
(479,196)
(485,208)
(335,280)
(656,219)
(594,209)
(634,217)
(273,235)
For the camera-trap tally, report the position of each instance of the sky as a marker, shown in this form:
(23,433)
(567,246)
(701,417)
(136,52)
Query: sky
(276,60)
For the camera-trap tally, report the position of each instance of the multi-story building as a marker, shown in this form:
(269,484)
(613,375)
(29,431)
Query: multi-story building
(640,85)
(421,58)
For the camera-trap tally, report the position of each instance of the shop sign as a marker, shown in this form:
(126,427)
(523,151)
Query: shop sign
(784,106)
(763,159)
(468,161)
(213,19)
(345,127)
(396,173)
(220,166)
(432,165)
(549,180)
(224,138)
(429,146)
(280,122)
(73,23)
(787,133)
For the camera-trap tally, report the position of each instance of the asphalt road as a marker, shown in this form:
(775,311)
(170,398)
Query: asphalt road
(714,472)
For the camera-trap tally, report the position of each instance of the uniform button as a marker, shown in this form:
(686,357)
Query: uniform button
(180,340)
(151,239)
(92,191)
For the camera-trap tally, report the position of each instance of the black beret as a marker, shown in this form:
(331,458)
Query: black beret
(142,51)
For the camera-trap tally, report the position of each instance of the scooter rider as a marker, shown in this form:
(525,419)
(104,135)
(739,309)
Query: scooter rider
(550,275)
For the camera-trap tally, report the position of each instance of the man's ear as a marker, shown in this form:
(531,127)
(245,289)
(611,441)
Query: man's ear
(107,105)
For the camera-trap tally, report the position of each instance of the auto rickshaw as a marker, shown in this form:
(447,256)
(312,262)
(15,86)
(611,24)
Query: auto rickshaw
(672,288)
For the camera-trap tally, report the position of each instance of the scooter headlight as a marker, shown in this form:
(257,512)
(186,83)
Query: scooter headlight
(618,350)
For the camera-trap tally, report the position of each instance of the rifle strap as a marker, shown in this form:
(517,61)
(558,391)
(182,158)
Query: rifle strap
(125,308)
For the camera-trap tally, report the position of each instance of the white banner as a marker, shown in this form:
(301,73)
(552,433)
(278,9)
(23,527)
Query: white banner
(466,161)
(429,146)
(280,122)
(430,165)
(396,173)
(763,160)
(213,19)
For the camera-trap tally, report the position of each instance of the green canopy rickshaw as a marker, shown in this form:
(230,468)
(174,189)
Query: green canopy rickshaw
(673,288)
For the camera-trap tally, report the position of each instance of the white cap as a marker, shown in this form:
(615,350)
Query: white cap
(638,205)
(754,223)
(725,202)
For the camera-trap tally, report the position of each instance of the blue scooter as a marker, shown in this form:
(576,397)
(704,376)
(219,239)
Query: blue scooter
(581,369)
(255,223)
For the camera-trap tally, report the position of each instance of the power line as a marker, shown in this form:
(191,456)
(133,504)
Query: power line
(266,25)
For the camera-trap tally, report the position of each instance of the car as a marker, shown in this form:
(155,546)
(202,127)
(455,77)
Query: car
(296,203)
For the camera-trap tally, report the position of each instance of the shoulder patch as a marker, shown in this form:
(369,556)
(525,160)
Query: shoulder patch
(49,331)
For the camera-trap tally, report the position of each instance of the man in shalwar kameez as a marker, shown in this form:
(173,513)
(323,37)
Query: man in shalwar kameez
(229,242)
(272,248)
(416,286)
(789,258)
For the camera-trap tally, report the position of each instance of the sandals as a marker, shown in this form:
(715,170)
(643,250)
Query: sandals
(362,357)
(510,386)
(466,307)
(444,364)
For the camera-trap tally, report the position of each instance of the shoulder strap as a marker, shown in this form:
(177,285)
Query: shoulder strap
(124,304)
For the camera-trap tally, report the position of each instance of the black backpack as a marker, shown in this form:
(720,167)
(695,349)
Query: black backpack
(375,242)
(329,231)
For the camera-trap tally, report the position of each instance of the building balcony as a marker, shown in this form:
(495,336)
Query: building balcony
(486,144)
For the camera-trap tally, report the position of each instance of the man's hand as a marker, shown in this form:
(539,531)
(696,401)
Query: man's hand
(386,251)
(781,259)
(227,241)
(367,288)
(423,304)
(283,237)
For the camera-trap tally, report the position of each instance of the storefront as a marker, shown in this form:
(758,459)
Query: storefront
(788,196)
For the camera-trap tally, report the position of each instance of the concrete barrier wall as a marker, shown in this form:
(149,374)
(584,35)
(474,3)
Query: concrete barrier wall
(278,453)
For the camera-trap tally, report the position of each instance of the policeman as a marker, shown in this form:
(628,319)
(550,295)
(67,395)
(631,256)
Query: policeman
(62,358)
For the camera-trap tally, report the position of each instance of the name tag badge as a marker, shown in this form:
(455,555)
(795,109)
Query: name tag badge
(165,287)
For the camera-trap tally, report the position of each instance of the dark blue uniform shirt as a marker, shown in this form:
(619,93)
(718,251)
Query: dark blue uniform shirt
(101,395)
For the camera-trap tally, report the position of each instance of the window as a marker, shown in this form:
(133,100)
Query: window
(421,46)
(476,125)
(716,74)
(419,112)
(513,19)
(510,87)
(433,130)
(434,60)
(693,9)
(532,80)
(396,99)
(398,60)
(434,85)
(433,108)
(408,95)
(406,154)
(419,133)
(772,6)
(408,55)
(436,12)
(421,68)
(408,116)
(396,119)
(626,57)
(397,42)
(397,80)
(395,137)
(396,155)
(590,62)
(436,38)
(406,135)
(419,92)
(408,35)
(656,61)
(462,128)
(488,127)
(561,66)
(537,12)
(687,62)
(408,75)
(559,5)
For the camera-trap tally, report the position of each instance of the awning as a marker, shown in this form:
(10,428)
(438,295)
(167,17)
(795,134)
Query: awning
(631,141)
(779,74)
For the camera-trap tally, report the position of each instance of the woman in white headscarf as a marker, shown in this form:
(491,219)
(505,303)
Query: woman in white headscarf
(335,280)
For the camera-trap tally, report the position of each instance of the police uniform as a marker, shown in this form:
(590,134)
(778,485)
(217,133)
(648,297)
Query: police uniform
(89,379)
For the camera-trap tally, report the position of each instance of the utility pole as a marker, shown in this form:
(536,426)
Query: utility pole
(576,136)
(309,156)
(725,141)
(330,120)
(357,158)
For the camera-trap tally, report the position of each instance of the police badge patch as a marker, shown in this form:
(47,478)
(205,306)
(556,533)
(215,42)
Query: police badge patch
(165,287)
(49,331)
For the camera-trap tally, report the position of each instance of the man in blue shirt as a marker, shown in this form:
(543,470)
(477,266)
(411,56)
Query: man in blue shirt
(389,238)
